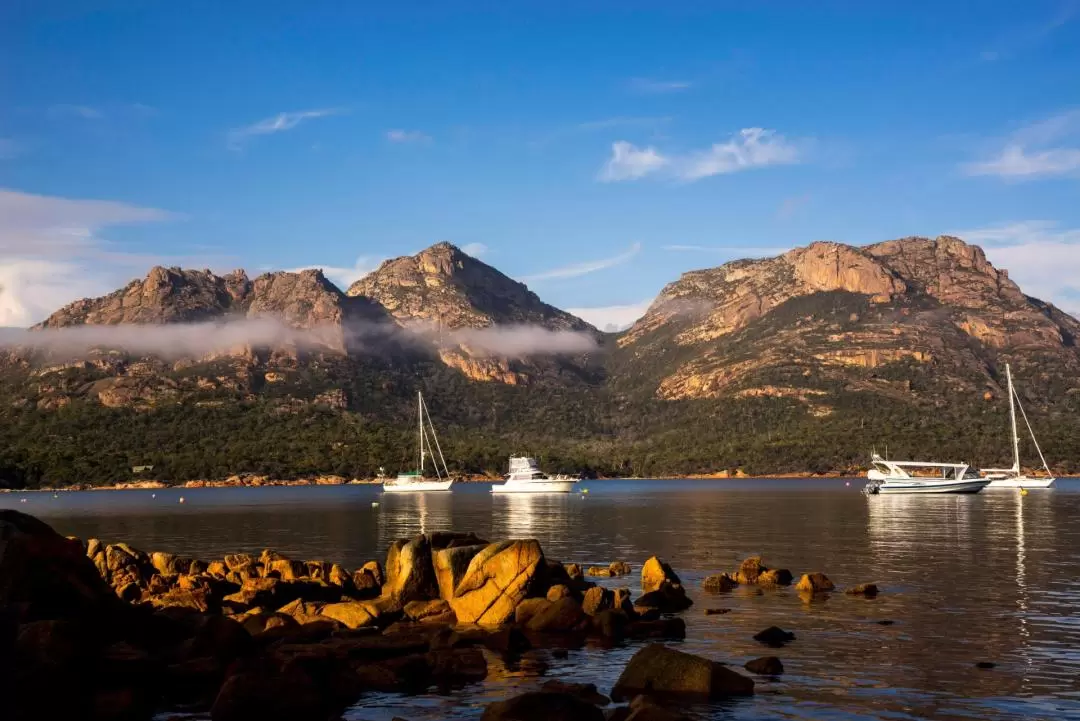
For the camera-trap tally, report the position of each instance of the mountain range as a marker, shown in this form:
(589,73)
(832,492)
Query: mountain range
(798,363)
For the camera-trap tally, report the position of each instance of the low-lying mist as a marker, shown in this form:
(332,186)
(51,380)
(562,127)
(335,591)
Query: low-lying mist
(195,340)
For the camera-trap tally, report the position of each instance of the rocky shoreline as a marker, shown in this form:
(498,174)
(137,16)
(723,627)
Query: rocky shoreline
(127,634)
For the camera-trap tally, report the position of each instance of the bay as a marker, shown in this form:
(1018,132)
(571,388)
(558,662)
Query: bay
(988,577)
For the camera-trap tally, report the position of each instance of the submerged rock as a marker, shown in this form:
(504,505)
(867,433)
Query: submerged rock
(765,666)
(774,636)
(657,669)
(584,691)
(869,590)
(542,706)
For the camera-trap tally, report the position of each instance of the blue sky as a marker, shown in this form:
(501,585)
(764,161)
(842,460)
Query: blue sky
(594,150)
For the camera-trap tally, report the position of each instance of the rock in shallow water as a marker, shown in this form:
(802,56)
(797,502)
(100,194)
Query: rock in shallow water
(657,669)
(542,706)
(765,666)
(774,636)
(814,583)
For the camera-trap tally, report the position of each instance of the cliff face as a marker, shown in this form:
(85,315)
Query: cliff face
(834,316)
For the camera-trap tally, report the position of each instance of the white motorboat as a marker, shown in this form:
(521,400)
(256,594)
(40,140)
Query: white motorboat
(525,476)
(1014,477)
(414,481)
(921,477)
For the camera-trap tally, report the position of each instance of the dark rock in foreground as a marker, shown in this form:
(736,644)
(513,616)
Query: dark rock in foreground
(542,706)
(657,669)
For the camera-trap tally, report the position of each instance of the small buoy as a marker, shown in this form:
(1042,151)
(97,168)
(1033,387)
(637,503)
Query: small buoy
(1023,491)
(153,495)
(374,504)
(584,490)
(22,500)
(56,495)
(181,499)
(847,483)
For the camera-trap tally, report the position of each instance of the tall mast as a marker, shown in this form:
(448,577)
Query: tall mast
(1012,420)
(420,427)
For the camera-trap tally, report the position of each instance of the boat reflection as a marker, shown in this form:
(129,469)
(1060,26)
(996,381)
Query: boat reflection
(529,515)
(405,514)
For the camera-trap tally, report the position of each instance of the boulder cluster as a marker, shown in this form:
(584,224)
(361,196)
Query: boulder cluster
(106,631)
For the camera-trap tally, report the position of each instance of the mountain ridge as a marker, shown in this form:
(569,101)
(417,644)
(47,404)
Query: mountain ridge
(797,362)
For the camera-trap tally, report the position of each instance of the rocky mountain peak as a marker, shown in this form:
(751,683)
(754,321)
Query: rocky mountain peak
(445,286)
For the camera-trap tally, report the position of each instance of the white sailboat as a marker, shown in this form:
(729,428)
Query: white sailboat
(525,476)
(414,481)
(1014,477)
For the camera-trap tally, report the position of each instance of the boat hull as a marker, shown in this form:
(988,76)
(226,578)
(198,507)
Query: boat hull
(547,486)
(966,486)
(417,486)
(1021,483)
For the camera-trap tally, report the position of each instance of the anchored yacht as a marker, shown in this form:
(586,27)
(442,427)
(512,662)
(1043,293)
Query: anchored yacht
(525,476)
(414,481)
(1013,477)
(921,477)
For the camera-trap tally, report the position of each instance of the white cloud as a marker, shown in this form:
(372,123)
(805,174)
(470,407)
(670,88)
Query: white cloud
(407,136)
(1040,256)
(612,317)
(276,124)
(749,148)
(628,162)
(1036,151)
(474,249)
(650,86)
(51,253)
(576,269)
(344,277)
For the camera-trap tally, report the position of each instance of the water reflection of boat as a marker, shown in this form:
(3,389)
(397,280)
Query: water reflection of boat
(406,514)
(518,515)
(887,477)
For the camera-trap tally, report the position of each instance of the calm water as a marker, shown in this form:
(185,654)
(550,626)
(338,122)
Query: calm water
(991,577)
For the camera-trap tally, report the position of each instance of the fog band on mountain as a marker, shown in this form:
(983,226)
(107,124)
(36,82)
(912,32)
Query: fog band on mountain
(193,340)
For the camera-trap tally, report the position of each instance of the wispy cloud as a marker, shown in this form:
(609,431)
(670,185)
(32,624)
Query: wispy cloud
(748,149)
(652,86)
(628,162)
(592,266)
(277,124)
(407,136)
(1042,257)
(1045,149)
(612,318)
(85,112)
(344,277)
(474,249)
(51,251)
